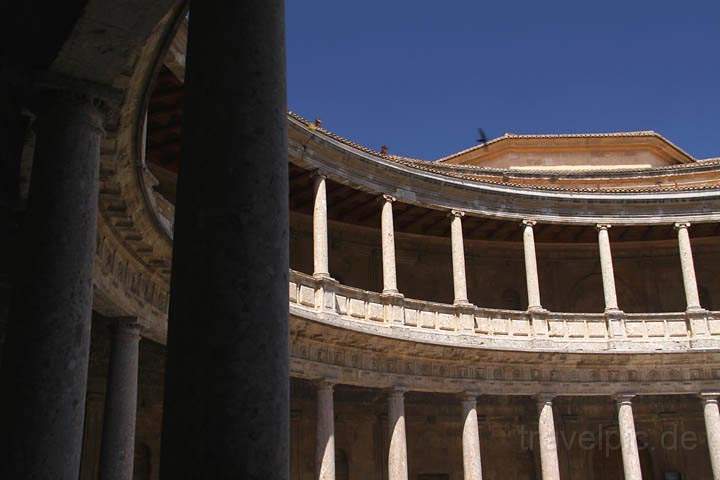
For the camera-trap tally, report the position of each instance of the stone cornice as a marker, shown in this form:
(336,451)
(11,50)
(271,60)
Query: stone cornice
(417,183)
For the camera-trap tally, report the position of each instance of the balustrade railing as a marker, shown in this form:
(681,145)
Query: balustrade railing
(331,301)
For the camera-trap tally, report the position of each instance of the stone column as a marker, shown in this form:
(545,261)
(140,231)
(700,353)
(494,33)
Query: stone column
(458,258)
(118,436)
(712,426)
(320,229)
(548,441)
(531,273)
(226,408)
(325,434)
(628,439)
(388,246)
(397,452)
(688,268)
(44,368)
(606,265)
(471,440)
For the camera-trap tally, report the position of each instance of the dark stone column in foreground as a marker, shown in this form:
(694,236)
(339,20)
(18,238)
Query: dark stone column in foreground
(226,411)
(118,436)
(44,369)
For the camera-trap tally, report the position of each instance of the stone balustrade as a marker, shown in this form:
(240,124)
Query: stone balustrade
(327,301)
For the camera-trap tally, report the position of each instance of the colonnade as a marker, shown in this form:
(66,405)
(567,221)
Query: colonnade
(320,250)
(226,406)
(397,457)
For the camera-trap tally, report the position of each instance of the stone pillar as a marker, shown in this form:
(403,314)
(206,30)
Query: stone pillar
(92,437)
(226,408)
(118,436)
(712,426)
(397,452)
(325,434)
(606,265)
(320,229)
(471,440)
(388,246)
(548,441)
(44,369)
(628,439)
(688,268)
(531,273)
(458,258)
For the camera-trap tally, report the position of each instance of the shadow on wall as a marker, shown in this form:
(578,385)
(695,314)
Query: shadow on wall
(587,296)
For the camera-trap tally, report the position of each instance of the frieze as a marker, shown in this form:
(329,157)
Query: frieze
(311,359)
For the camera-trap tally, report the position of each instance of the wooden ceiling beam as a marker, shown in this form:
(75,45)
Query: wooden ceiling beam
(346,201)
(419,219)
(506,230)
(442,219)
(359,207)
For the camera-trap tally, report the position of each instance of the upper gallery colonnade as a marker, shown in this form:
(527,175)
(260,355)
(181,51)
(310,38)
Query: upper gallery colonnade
(390,286)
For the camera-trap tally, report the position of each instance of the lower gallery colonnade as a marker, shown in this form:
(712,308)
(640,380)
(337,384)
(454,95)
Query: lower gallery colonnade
(547,438)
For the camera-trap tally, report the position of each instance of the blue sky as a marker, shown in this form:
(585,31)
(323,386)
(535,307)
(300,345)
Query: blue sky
(422,76)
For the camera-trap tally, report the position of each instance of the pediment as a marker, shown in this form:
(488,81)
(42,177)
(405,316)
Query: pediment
(626,150)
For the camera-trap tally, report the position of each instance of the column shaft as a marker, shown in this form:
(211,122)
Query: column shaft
(46,355)
(458,258)
(471,441)
(118,437)
(628,439)
(712,426)
(548,441)
(688,267)
(325,435)
(320,230)
(531,272)
(397,454)
(388,246)
(226,408)
(606,265)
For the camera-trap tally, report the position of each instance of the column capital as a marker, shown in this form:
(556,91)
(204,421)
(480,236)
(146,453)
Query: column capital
(457,213)
(126,326)
(397,391)
(325,383)
(624,398)
(709,397)
(544,398)
(318,175)
(529,223)
(682,225)
(101,102)
(603,226)
(469,396)
(389,198)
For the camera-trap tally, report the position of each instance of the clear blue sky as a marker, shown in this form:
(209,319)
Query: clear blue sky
(421,76)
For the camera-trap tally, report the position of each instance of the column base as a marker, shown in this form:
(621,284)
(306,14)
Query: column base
(697,321)
(392,293)
(322,276)
(464,304)
(536,309)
